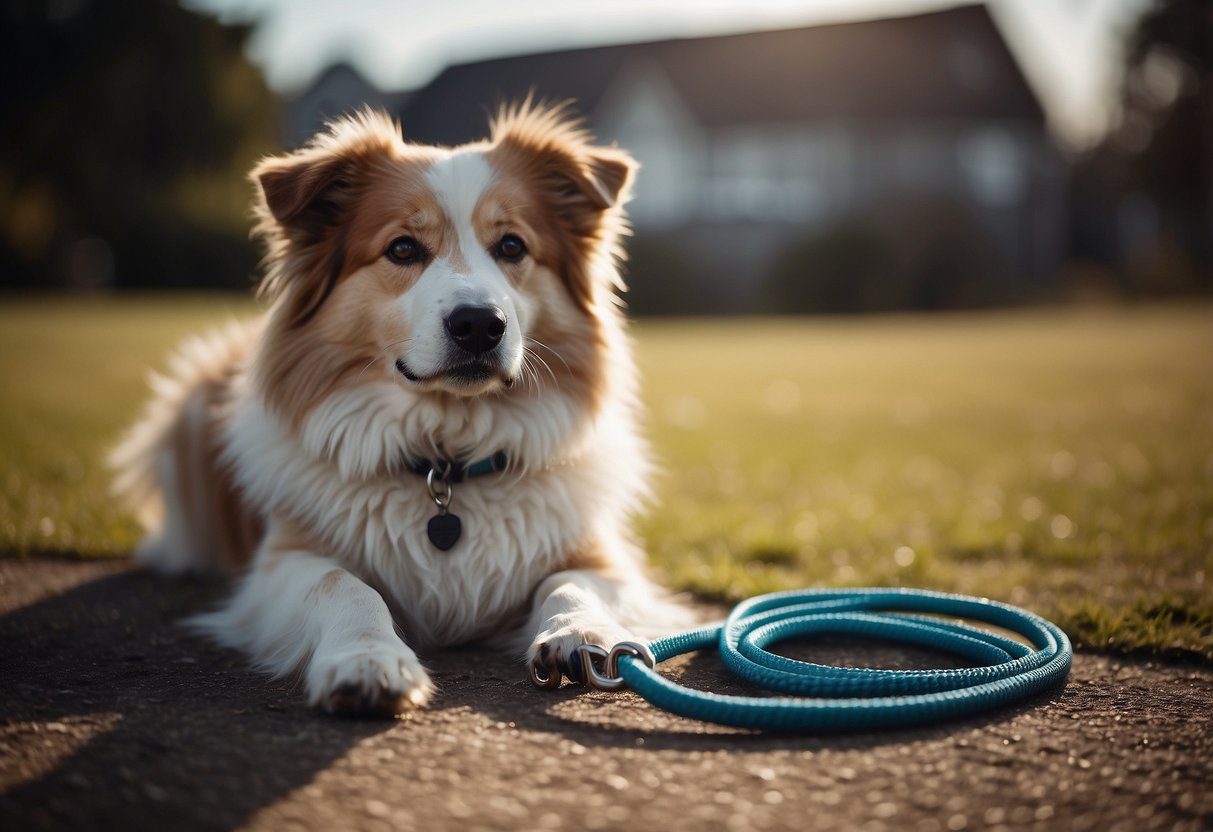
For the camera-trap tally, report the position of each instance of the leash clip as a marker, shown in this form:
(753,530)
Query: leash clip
(599,667)
(592,657)
(608,678)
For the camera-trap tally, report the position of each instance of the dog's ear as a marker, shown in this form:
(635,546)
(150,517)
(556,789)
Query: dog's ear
(581,179)
(305,192)
(304,203)
(611,171)
(583,185)
(585,182)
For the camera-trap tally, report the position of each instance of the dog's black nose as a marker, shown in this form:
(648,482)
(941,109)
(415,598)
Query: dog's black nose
(476,329)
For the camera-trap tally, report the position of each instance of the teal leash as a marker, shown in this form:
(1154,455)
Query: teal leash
(826,698)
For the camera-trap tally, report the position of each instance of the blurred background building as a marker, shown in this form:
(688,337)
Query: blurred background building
(879,164)
(903,162)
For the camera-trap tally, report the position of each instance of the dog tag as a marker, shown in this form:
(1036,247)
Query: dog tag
(444,530)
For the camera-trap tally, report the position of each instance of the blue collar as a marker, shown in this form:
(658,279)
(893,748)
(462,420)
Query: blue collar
(457,470)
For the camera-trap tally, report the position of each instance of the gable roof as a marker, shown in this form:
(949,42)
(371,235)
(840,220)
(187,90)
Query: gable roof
(952,63)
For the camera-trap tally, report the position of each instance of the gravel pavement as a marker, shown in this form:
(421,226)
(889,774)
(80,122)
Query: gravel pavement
(112,717)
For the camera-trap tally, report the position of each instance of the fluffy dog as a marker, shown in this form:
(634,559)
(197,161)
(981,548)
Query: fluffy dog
(430,435)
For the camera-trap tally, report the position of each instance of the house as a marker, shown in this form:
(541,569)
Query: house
(751,144)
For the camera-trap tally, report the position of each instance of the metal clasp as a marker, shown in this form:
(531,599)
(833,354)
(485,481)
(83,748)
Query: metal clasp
(635,649)
(608,678)
(440,490)
(591,657)
(599,667)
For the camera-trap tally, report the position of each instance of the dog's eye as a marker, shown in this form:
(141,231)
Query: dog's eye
(405,251)
(511,248)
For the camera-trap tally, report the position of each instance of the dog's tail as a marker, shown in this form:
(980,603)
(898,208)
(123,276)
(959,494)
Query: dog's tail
(167,468)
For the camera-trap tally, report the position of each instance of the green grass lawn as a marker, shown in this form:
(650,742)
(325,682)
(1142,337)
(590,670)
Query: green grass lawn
(1062,460)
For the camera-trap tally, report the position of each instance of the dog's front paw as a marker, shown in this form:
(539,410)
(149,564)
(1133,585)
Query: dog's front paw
(552,650)
(368,679)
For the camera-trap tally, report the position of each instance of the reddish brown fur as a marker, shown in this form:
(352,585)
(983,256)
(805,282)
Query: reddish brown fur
(569,186)
(327,584)
(204,484)
(287,536)
(304,206)
(331,209)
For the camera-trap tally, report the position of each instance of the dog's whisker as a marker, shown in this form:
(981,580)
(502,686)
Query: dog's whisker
(381,352)
(536,358)
(537,386)
(546,366)
(539,343)
(539,358)
(527,366)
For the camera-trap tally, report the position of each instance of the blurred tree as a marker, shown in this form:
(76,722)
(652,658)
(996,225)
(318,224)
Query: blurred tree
(126,129)
(1144,196)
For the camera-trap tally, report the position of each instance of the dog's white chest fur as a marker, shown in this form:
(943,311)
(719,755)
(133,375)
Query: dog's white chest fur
(517,525)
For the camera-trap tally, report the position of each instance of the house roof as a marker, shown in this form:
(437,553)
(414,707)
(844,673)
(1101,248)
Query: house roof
(952,63)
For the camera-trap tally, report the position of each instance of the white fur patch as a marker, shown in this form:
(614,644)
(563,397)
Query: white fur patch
(464,275)
(295,609)
(459,180)
(517,525)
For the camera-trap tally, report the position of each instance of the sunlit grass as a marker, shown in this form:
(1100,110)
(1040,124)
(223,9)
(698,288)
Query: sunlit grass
(1057,459)
(73,374)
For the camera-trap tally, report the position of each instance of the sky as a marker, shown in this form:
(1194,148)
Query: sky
(1070,50)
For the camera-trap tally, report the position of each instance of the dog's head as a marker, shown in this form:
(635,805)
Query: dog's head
(464,272)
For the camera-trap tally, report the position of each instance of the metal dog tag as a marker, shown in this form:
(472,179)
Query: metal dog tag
(444,530)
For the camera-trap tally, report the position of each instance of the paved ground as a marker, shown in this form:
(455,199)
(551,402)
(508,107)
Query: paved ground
(112,718)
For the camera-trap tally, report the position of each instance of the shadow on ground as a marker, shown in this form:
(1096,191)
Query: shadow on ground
(150,718)
(114,717)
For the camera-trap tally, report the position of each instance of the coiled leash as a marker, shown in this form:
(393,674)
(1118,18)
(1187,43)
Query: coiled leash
(837,698)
